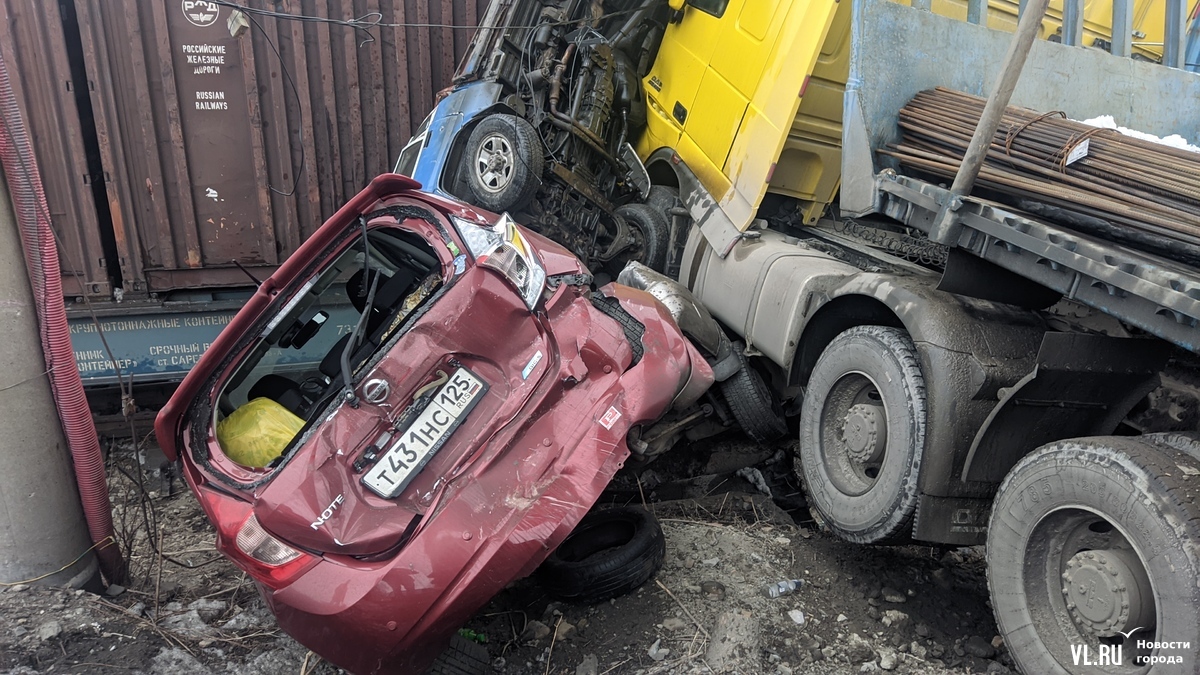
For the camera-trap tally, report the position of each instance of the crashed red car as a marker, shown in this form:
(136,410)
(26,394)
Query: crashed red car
(476,398)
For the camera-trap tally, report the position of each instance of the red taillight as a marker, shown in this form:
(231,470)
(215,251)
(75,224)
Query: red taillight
(257,543)
(249,546)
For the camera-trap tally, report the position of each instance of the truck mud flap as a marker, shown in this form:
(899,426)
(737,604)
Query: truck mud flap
(975,277)
(1082,385)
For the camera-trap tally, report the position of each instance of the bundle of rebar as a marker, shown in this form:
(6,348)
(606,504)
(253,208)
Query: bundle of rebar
(1130,190)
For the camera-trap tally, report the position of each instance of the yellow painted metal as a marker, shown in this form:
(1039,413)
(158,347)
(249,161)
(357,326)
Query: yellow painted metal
(1148,17)
(751,101)
(809,167)
(730,128)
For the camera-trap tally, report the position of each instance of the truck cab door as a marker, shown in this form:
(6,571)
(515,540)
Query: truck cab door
(738,76)
(673,80)
(780,64)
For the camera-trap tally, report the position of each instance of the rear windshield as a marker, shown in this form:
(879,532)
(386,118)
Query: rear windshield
(295,367)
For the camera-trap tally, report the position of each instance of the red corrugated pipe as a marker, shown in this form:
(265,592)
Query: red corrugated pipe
(41,257)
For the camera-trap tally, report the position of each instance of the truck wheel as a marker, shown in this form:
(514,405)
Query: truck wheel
(610,553)
(1095,544)
(504,162)
(652,231)
(757,412)
(862,434)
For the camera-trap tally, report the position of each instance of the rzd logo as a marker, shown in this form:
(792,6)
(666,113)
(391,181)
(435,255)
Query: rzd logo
(201,12)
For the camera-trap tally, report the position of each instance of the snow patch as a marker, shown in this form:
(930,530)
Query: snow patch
(1174,140)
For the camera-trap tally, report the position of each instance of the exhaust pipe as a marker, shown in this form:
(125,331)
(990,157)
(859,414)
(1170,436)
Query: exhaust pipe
(691,317)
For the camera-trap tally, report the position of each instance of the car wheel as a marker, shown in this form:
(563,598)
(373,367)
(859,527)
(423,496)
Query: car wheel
(651,230)
(609,554)
(504,162)
(862,434)
(462,657)
(1095,544)
(750,400)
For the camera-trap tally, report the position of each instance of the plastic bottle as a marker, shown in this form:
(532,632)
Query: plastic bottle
(785,587)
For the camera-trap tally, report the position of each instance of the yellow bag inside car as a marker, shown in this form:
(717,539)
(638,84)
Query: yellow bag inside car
(256,433)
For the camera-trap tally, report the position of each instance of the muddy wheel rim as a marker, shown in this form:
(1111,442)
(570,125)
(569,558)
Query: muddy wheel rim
(494,163)
(853,435)
(1083,575)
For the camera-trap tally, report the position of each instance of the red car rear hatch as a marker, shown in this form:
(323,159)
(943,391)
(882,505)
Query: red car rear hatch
(452,381)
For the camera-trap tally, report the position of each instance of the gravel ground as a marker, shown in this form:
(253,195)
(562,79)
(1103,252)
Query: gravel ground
(861,609)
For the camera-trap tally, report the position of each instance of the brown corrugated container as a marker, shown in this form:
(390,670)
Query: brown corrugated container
(33,46)
(218,148)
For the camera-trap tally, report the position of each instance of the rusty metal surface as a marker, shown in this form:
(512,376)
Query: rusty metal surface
(215,148)
(32,43)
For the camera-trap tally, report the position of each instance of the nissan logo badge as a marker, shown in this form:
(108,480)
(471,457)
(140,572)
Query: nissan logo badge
(376,391)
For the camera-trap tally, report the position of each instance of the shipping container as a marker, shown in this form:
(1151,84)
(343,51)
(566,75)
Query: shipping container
(33,45)
(177,140)
(213,140)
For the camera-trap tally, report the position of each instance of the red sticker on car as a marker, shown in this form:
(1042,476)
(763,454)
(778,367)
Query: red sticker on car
(610,418)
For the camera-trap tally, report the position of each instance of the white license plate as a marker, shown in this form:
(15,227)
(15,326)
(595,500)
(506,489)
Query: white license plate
(420,441)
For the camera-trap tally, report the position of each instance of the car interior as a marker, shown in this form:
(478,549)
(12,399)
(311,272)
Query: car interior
(278,376)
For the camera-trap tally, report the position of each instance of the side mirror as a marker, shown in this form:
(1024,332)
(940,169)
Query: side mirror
(676,14)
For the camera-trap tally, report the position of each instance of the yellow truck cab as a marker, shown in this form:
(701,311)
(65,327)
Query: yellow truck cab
(724,89)
(962,369)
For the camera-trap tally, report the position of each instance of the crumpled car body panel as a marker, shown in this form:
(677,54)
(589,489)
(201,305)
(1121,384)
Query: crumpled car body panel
(388,581)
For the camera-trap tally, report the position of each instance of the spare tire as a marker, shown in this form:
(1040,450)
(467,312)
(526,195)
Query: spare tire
(609,554)
(651,230)
(503,162)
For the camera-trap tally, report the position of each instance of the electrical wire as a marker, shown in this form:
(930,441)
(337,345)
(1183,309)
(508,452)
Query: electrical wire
(107,540)
(287,75)
(375,19)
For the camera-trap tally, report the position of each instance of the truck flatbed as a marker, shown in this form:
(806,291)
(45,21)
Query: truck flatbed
(1159,296)
(1143,290)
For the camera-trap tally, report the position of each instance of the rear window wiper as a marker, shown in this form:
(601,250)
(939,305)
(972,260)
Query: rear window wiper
(356,334)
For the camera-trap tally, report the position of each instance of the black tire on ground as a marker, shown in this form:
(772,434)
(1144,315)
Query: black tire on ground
(503,162)
(751,402)
(1095,543)
(462,657)
(609,554)
(862,435)
(652,231)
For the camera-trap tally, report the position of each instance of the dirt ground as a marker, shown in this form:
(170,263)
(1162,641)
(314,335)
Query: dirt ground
(860,609)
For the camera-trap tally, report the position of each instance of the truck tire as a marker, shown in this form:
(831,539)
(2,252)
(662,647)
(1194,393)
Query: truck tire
(1095,543)
(663,198)
(503,162)
(462,657)
(609,554)
(757,412)
(862,435)
(652,231)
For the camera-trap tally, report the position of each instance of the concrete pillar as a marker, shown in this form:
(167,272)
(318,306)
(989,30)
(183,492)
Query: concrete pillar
(42,529)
